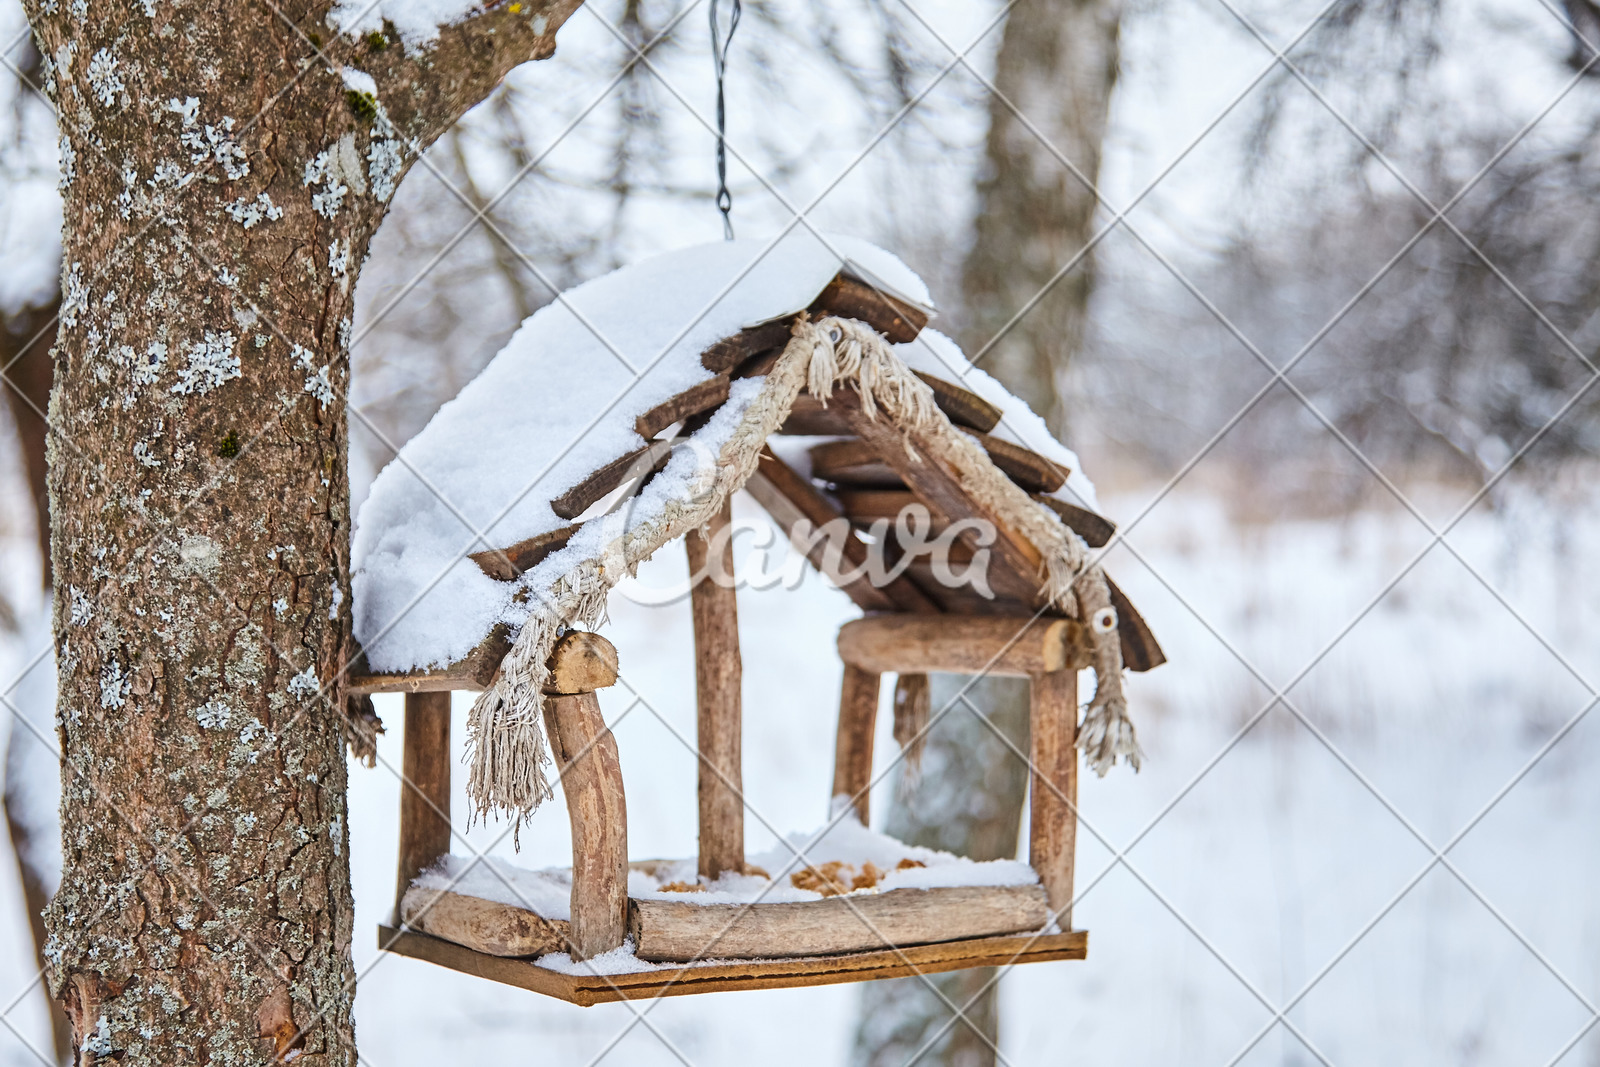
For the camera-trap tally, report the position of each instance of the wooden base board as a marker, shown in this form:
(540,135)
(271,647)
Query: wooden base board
(586,990)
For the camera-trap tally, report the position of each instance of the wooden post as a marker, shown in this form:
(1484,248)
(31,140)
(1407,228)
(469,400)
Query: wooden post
(1052,813)
(852,752)
(591,779)
(718,675)
(425,790)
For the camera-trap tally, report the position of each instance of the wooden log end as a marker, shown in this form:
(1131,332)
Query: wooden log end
(581,663)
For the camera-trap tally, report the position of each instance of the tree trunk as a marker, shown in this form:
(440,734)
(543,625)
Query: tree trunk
(1057,66)
(221,182)
(25,341)
(968,801)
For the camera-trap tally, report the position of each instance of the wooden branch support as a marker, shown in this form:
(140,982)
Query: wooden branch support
(1021,566)
(424,787)
(962,644)
(591,779)
(636,465)
(718,676)
(852,751)
(1053,786)
(789,498)
(853,462)
(669,930)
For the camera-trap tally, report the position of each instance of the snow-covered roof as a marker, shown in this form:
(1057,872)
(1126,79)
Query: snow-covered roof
(560,401)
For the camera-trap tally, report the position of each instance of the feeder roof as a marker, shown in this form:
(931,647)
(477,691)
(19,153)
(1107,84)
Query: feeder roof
(564,398)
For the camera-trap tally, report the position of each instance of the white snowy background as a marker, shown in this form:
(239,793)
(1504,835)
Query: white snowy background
(1259,859)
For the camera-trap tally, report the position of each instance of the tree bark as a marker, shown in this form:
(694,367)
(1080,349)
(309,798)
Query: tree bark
(1057,66)
(221,182)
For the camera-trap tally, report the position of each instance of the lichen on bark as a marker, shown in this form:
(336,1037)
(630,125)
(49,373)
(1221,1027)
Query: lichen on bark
(200,502)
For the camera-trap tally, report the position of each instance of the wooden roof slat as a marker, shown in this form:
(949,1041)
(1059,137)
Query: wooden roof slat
(759,364)
(636,464)
(856,464)
(1027,468)
(705,396)
(1140,650)
(473,672)
(508,564)
(1095,529)
(852,298)
(962,406)
(729,352)
(865,506)
(962,599)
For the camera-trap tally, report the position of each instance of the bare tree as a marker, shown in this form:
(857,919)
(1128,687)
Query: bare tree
(223,176)
(1026,313)
(1028,276)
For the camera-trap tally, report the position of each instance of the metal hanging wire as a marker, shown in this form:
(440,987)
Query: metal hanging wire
(719,62)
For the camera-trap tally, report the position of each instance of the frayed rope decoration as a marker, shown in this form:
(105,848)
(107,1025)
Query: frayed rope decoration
(508,752)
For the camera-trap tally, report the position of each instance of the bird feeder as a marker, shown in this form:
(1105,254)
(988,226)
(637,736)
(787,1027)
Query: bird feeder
(829,384)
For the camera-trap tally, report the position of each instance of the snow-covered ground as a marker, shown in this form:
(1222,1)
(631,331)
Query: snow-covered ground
(1261,873)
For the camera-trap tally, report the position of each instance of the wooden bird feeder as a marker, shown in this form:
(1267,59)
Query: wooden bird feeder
(912,625)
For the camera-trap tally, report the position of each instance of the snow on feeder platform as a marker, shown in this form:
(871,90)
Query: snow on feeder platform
(623,417)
